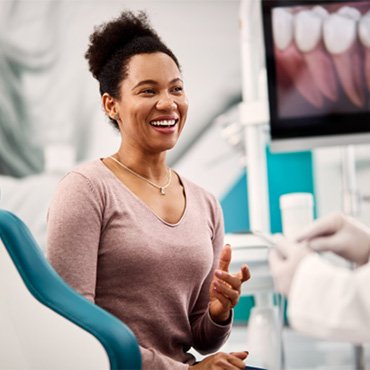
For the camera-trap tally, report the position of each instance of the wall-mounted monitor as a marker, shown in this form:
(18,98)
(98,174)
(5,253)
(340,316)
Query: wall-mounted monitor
(318,71)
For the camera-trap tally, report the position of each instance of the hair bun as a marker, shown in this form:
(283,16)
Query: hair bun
(110,37)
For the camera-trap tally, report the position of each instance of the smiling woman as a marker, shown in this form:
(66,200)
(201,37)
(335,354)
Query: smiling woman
(132,235)
(152,106)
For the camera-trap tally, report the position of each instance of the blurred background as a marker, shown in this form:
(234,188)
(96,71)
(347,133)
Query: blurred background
(50,112)
(51,117)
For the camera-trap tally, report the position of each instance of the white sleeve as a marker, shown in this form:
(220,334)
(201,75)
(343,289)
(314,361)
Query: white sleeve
(330,302)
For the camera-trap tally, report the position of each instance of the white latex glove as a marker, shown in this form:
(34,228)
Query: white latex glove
(340,234)
(284,259)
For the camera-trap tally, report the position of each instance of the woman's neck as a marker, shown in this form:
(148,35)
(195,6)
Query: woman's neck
(150,165)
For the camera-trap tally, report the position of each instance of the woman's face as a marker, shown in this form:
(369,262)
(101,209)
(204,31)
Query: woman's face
(153,106)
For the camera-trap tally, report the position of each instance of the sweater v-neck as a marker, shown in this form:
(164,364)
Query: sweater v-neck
(145,205)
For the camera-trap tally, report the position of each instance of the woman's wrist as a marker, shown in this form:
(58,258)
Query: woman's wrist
(223,319)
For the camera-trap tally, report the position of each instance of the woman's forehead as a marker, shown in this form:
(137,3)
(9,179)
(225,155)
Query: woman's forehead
(158,67)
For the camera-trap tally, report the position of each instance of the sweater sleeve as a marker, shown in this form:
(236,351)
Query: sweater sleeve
(208,336)
(74,225)
(330,302)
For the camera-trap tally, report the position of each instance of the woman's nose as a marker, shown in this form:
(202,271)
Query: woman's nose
(166,102)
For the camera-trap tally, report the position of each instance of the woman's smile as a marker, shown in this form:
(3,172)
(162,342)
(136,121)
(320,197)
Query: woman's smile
(165,124)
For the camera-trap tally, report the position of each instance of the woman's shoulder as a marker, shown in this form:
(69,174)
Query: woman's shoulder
(90,169)
(89,174)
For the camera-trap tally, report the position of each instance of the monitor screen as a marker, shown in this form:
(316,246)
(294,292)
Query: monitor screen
(318,71)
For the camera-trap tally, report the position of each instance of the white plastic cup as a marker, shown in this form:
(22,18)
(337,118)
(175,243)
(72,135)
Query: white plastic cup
(296,213)
(264,341)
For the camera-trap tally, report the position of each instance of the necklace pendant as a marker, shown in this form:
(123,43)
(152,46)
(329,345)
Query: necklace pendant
(161,189)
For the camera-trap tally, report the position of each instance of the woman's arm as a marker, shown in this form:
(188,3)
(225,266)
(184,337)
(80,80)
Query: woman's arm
(74,225)
(208,336)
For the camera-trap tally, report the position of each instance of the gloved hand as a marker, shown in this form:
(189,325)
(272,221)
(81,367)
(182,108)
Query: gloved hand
(284,259)
(340,234)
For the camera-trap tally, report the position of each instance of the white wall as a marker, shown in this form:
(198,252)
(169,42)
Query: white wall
(328,179)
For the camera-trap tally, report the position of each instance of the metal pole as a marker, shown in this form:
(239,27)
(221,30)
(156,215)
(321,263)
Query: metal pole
(254,114)
(350,207)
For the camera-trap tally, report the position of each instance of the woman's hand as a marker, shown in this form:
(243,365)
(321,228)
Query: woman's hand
(222,361)
(225,287)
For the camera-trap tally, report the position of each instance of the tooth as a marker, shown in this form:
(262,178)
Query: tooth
(339,33)
(282,26)
(319,10)
(364,36)
(307,30)
(364,29)
(350,12)
(340,38)
(307,33)
(164,122)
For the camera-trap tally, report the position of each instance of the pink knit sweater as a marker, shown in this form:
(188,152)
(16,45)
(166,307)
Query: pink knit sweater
(155,276)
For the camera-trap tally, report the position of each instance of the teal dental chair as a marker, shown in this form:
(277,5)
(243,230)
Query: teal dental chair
(46,325)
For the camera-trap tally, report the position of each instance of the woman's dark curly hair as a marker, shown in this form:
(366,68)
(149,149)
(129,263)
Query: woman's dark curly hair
(113,44)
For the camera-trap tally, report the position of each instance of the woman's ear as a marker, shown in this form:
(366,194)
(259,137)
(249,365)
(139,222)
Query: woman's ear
(110,106)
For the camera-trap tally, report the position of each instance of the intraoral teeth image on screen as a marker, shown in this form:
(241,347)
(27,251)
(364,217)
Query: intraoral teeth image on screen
(318,64)
(324,52)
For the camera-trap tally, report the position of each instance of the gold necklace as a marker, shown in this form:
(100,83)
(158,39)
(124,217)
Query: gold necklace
(161,188)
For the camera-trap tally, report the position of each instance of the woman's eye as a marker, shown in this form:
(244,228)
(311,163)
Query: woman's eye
(178,89)
(147,92)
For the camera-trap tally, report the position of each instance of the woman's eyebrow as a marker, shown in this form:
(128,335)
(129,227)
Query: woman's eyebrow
(145,82)
(153,82)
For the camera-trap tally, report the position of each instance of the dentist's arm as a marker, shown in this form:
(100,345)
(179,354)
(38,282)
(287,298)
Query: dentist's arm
(325,301)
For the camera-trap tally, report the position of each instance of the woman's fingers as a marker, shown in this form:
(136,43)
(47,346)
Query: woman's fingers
(225,258)
(242,355)
(226,291)
(244,274)
(228,285)
(222,361)
(226,302)
(236,359)
(233,280)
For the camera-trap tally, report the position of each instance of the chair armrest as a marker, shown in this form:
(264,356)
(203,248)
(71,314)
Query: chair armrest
(49,288)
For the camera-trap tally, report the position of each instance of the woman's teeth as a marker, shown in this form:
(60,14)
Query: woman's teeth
(164,123)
